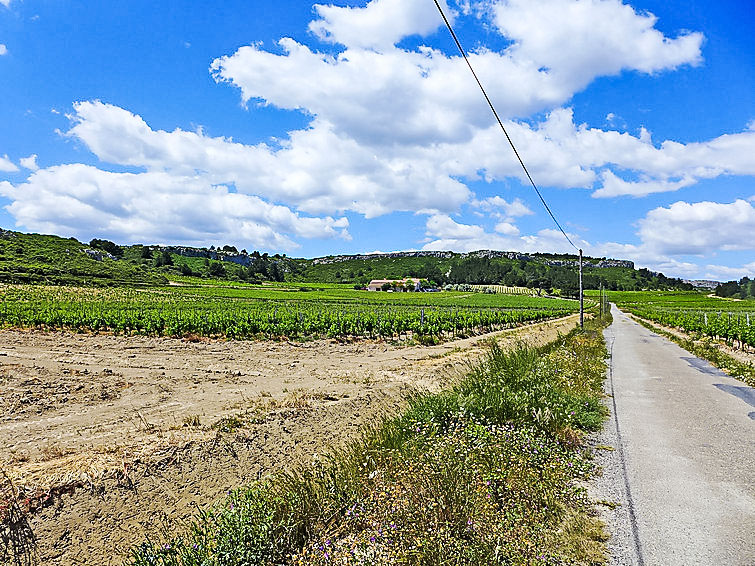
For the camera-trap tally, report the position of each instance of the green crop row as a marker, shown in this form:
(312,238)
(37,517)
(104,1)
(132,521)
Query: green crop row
(696,313)
(726,326)
(233,314)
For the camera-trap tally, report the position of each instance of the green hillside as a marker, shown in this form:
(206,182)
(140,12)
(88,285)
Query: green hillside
(34,258)
(541,271)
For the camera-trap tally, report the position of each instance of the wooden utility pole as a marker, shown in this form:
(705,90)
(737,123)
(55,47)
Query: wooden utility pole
(581,294)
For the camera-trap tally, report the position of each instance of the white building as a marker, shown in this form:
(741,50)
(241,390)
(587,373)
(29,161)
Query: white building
(377,284)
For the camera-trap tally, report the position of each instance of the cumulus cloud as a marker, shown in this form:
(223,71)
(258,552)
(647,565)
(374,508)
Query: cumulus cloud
(29,162)
(501,208)
(667,234)
(82,201)
(615,186)
(321,171)
(380,24)
(393,128)
(442,226)
(3,49)
(507,229)
(564,154)
(7,165)
(423,96)
(444,233)
(578,40)
(724,273)
(699,228)
(422,101)
(316,169)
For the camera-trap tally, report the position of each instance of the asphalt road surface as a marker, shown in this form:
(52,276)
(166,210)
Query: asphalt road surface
(685,454)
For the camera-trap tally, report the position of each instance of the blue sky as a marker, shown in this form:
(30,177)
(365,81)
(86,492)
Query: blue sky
(354,126)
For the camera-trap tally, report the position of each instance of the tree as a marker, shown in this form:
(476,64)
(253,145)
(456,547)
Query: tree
(217,270)
(164,259)
(107,246)
(274,271)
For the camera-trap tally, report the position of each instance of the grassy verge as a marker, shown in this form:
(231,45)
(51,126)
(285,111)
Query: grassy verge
(703,348)
(484,473)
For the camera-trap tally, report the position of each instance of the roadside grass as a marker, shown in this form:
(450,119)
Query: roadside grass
(486,472)
(702,347)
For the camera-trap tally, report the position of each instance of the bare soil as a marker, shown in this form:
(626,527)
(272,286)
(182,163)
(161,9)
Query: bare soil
(112,439)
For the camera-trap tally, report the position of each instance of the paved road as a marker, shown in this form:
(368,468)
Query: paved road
(686,453)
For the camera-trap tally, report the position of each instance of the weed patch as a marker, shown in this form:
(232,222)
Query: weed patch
(486,472)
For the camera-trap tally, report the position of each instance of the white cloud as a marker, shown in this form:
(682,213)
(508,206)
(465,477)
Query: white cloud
(507,229)
(614,186)
(561,153)
(316,170)
(644,256)
(442,226)
(577,40)
(423,96)
(82,201)
(699,228)
(501,208)
(446,234)
(726,273)
(380,24)
(7,165)
(319,171)
(391,129)
(666,236)
(5,3)
(3,49)
(29,162)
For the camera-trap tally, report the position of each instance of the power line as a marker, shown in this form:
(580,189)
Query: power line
(500,122)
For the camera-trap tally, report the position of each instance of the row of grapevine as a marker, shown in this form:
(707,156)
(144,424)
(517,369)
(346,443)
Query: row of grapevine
(732,327)
(166,314)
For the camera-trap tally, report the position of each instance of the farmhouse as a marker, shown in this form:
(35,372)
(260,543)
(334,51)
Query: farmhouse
(377,284)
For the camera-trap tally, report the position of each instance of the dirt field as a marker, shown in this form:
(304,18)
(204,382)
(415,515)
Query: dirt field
(116,438)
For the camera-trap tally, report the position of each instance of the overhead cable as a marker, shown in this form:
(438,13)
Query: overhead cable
(500,122)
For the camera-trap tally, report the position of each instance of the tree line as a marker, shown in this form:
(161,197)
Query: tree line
(539,275)
(742,289)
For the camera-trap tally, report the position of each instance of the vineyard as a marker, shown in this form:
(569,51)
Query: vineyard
(719,319)
(271,312)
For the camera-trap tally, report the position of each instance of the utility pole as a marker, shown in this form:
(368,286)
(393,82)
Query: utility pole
(581,294)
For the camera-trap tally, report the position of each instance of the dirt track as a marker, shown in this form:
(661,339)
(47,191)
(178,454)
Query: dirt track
(137,423)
